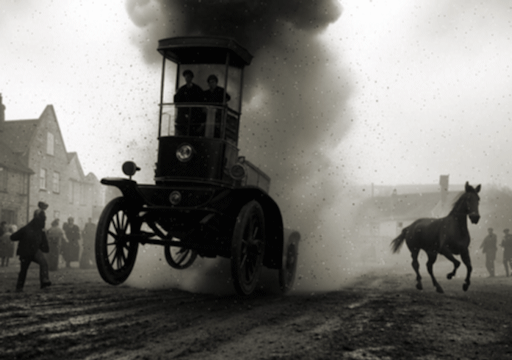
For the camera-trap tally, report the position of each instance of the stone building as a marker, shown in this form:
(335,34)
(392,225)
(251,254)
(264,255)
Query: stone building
(33,151)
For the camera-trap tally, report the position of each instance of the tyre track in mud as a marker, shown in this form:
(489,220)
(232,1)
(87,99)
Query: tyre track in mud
(378,316)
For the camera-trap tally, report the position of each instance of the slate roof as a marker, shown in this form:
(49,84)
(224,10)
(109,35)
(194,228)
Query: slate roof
(408,206)
(11,160)
(18,134)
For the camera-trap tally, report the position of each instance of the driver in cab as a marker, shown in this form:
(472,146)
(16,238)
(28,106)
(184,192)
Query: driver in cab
(189,119)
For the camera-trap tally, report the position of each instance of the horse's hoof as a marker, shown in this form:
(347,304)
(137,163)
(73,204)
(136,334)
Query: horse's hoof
(449,276)
(439,290)
(465,287)
(419,287)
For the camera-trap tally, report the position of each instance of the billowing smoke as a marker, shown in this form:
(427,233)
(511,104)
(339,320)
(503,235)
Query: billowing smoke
(294,97)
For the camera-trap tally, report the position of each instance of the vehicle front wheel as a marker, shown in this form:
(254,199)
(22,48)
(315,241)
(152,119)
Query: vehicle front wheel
(115,252)
(178,257)
(248,248)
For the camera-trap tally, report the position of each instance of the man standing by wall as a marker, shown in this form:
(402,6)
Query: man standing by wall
(72,248)
(88,235)
(489,248)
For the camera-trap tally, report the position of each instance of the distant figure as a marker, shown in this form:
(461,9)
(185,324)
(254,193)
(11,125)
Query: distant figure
(214,94)
(489,248)
(6,246)
(506,244)
(33,244)
(3,227)
(56,240)
(72,247)
(193,116)
(88,236)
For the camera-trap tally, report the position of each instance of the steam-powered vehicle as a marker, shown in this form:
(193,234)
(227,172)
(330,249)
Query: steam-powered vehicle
(207,200)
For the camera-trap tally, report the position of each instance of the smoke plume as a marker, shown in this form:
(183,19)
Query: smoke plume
(294,97)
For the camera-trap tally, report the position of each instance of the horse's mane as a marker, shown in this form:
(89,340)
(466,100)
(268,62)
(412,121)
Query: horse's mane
(458,201)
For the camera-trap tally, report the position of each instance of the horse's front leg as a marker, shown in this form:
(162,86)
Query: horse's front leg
(456,263)
(467,261)
(432,256)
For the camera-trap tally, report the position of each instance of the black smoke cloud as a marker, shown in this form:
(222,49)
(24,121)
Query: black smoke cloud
(294,97)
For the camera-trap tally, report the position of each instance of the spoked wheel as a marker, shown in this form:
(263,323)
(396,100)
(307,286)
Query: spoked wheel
(115,253)
(248,248)
(287,272)
(178,257)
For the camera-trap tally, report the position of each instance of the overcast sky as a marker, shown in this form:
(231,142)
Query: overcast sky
(430,85)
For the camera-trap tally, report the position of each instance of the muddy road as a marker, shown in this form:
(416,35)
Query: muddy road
(379,315)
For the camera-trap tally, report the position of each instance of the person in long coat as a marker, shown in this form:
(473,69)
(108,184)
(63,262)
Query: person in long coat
(506,244)
(88,236)
(33,243)
(55,239)
(489,248)
(72,248)
(6,246)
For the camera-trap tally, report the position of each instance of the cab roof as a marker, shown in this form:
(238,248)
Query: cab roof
(204,50)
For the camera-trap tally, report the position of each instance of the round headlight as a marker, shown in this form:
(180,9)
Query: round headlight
(130,168)
(237,171)
(184,153)
(175,197)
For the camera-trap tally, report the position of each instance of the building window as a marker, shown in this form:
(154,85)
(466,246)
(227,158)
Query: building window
(50,144)
(23,184)
(3,179)
(56,182)
(71,191)
(42,179)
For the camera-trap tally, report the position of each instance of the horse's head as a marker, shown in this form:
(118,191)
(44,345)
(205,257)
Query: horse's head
(472,201)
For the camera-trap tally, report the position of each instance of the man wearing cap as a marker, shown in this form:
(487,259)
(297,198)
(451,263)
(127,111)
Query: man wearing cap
(506,244)
(32,244)
(188,116)
(489,248)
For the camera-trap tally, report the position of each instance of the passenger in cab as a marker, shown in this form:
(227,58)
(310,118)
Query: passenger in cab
(189,119)
(214,94)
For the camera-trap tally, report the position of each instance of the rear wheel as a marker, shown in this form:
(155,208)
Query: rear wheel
(287,272)
(178,257)
(115,253)
(248,248)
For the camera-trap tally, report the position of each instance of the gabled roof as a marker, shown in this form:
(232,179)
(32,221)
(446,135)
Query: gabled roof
(18,134)
(72,156)
(10,160)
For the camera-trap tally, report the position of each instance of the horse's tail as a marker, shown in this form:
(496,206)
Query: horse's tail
(397,243)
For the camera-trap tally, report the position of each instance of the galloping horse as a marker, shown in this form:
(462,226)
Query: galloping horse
(447,236)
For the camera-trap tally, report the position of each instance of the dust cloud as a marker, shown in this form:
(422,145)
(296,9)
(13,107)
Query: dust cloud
(293,117)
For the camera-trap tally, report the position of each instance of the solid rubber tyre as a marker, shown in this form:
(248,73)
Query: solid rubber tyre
(248,248)
(115,253)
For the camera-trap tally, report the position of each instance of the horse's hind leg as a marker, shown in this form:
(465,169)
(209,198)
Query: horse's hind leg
(416,266)
(456,263)
(467,261)
(432,257)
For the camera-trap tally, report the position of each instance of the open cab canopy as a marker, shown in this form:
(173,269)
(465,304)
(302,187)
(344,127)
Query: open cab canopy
(201,92)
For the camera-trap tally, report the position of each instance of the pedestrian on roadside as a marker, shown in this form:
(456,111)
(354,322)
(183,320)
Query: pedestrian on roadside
(72,248)
(6,246)
(55,237)
(506,244)
(33,243)
(489,248)
(88,236)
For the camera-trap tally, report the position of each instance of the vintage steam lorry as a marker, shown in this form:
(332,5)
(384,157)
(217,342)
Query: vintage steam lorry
(207,200)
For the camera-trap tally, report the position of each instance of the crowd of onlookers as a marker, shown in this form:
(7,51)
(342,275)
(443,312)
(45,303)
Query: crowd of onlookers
(490,247)
(49,248)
